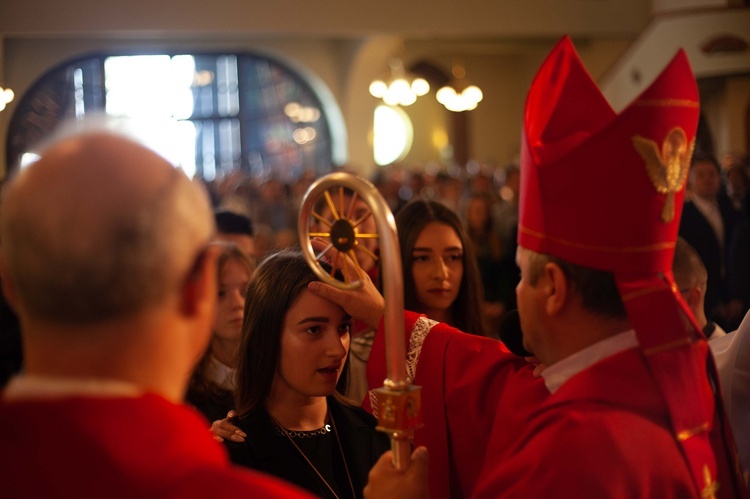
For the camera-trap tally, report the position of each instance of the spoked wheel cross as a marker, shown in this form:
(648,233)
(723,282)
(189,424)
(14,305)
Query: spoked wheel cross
(338,222)
(398,399)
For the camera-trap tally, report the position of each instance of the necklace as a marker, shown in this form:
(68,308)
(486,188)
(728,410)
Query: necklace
(319,431)
(304,433)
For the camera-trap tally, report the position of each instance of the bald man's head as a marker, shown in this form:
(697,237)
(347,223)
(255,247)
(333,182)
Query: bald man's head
(100,228)
(687,267)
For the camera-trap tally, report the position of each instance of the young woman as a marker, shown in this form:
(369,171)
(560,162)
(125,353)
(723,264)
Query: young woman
(293,352)
(210,389)
(441,279)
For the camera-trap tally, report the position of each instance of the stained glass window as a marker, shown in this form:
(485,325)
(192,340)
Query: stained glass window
(210,114)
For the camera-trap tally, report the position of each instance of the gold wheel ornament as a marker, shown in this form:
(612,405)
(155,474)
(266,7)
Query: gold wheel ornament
(342,229)
(398,401)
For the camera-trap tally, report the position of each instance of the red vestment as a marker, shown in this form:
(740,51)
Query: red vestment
(493,430)
(473,391)
(604,433)
(118,447)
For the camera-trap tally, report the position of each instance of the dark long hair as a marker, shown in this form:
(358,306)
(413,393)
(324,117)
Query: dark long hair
(466,310)
(275,285)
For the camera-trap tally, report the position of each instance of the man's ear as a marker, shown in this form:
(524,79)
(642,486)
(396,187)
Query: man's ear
(557,288)
(693,297)
(200,288)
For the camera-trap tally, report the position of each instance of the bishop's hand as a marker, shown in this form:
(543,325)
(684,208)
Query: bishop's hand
(364,303)
(386,482)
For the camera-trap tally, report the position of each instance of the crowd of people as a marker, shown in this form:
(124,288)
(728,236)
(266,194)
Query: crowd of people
(714,223)
(484,205)
(144,300)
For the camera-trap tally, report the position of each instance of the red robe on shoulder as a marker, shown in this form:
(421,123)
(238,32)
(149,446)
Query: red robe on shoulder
(474,391)
(604,433)
(118,447)
(493,430)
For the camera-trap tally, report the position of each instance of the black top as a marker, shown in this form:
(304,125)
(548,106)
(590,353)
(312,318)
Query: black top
(268,449)
(696,230)
(11,348)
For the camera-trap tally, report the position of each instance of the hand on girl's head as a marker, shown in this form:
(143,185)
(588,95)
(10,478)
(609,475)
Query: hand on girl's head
(365,303)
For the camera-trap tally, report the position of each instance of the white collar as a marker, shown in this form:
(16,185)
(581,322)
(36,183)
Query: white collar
(220,373)
(560,372)
(712,214)
(704,205)
(25,386)
(718,332)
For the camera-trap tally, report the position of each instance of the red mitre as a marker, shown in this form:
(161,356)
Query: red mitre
(605,191)
(600,189)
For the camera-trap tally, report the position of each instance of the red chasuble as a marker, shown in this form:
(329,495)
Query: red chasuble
(604,433)
(493,430)
(144,447)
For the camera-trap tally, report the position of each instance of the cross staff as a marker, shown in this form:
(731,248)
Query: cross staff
(398,400)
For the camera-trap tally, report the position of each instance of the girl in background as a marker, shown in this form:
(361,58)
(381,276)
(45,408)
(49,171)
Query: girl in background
(441,279)
(212,383)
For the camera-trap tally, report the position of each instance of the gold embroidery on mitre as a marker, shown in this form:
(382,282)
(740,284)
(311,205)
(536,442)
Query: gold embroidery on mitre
(667,168)
(590,247)
(709,491)
(641,292)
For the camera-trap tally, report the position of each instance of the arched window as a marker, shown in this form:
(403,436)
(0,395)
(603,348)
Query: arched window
(210,114)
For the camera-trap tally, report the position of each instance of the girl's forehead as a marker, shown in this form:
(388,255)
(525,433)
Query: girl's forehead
(436,233)
(232,268)
(307,304)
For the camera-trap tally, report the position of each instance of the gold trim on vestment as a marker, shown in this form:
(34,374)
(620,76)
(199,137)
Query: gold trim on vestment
(686,434)
(667,346)
(667,103)
(709,491)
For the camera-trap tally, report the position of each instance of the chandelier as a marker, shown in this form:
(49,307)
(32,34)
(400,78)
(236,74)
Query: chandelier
(398,89)
(457,96)
(6,96)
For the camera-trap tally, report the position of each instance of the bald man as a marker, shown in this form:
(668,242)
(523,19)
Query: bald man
(691,278)
(105,258)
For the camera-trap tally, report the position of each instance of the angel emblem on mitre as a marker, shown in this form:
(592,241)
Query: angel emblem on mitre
(667,168)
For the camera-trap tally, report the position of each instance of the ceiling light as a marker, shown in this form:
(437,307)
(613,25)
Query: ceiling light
(399,89)
(458,96)
(6,96)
